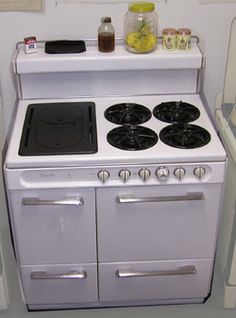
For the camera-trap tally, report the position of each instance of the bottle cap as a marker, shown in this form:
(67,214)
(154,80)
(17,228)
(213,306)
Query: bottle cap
(141,6)
(106,19)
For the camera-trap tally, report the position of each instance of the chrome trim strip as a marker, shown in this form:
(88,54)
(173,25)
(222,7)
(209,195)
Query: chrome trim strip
(130,198)
(71,275)
(183,270)
(73,201)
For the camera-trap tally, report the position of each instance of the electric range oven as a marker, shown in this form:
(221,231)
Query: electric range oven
(114,177)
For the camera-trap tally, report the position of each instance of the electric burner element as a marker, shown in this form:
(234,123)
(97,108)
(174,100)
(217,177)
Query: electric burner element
(176,112)
(132,137)
(128,113)
(59,128)
(185,136)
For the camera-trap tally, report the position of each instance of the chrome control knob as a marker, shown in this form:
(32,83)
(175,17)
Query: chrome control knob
(103,175)
(162,173)
(124,175)
(199,172)
(144,174)
(179,173)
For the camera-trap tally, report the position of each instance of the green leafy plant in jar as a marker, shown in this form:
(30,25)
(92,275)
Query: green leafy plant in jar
(141,27)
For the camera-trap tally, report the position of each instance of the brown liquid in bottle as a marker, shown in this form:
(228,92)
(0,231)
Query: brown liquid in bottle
(106,42)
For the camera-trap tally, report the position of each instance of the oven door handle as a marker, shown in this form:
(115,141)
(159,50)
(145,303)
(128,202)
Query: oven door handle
(130,198)
(183,270)
(71,275)
(74,201)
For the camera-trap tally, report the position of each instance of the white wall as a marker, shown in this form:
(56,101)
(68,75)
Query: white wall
(211,22)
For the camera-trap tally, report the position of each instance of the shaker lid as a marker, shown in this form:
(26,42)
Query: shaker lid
(184,31)
(169,31)
(141,6)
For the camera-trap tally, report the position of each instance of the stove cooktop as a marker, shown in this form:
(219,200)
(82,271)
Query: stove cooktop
(107,154)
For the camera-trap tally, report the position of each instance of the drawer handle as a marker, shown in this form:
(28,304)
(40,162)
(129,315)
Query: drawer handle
(184,270)
(70,275)
(130,198)
(73,201)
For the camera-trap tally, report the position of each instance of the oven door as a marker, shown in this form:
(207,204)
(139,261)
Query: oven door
(54,226)
(157,222)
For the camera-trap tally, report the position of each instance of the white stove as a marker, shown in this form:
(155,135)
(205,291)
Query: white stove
(123,225)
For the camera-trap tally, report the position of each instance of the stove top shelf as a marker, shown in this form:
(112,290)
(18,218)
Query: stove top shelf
(93,60)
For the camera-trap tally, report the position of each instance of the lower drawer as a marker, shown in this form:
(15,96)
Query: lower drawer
(155,280)
(54,284)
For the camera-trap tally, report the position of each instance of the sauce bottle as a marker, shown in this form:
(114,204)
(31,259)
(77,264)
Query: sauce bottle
(106,35)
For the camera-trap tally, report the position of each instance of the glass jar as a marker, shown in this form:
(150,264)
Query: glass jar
(106,35)
(141,27)
(183,39)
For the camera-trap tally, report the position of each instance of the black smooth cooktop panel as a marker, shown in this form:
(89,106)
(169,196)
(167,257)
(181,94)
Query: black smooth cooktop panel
(59,129)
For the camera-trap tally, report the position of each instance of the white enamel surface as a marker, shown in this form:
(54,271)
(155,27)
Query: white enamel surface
(46,234)
(60,291)
(120,59)
(113,288)
(168,230)
(112,83)
(107,154)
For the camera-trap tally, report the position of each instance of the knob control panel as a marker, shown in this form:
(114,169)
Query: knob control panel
(179,173)
(144,174)
(173,173)
(199,172)
(162,173)
(103,175)
(124,174)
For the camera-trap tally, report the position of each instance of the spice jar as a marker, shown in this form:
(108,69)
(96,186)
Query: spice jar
(169,39)
(106,35)
(184,39)
(141,27)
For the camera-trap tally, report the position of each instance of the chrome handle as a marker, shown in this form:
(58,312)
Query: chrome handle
(66,201)
(184,270)
(130,198)
(70,275)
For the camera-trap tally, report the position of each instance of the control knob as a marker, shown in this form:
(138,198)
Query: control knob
(162,173)
(199,172)
(179,173)
(144,174)
(103,175)
(124,175)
